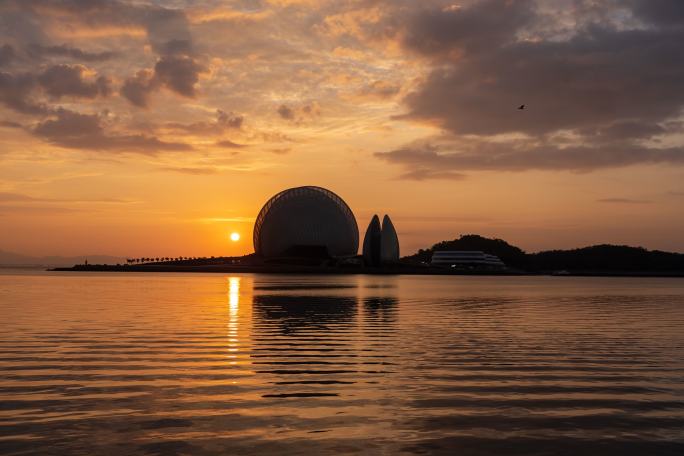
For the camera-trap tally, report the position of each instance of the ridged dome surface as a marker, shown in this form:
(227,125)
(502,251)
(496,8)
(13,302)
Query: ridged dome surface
(305,217)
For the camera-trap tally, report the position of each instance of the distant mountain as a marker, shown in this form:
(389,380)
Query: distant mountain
(16,259)
(597,258)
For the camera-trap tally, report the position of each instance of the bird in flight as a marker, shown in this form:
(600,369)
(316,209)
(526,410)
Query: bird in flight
(522,106)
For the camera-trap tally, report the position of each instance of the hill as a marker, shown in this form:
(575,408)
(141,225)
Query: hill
(511,255)
(597,258)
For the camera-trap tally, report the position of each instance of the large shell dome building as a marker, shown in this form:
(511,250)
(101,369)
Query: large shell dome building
(306,219)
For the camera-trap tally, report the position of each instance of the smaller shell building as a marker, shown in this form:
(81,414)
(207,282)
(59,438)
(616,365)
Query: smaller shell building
(381,243)
(306,221)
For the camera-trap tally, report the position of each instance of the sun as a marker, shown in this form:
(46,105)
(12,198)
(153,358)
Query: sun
(234,237)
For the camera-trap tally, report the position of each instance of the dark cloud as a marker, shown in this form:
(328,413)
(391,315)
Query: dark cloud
(299,114)
(623,201)
(7,54)
(454,30)
(62,50)
(17,93)
(225,121)
(380,90)
(286,112)
(10,124)
(659,12)
(69,80)
(423,161)
(167,29)
(85,131)
(168,33)
(605,96)
(138,88)
(229,144)
(430,174)
(597,78)
(179,74)
(229,119)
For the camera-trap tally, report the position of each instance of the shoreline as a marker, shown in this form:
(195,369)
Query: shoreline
(315,270)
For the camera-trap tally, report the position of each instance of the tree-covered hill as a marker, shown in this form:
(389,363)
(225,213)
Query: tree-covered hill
(603,257)
(511,255)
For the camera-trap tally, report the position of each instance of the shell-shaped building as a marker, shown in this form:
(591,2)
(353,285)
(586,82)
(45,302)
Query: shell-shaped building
(381,243)
(371,242)
(389,242)
(306,218)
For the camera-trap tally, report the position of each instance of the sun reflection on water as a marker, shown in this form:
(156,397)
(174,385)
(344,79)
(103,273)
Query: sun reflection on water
(233,309)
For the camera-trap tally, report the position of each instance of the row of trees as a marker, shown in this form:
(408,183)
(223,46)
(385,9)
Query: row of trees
(159,259)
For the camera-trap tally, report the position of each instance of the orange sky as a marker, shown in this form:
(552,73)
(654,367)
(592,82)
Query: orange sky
(158,128)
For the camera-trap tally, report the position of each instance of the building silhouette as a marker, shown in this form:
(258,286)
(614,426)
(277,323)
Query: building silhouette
(306,222)
(381,243)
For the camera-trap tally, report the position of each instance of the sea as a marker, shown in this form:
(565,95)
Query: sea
(250,364)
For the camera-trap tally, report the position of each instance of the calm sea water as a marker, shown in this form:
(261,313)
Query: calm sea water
(175,364)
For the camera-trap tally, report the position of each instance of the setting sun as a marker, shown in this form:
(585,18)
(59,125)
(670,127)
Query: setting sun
(234,237)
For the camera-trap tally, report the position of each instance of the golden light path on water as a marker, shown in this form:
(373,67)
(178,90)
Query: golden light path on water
(233,309)
(201,364)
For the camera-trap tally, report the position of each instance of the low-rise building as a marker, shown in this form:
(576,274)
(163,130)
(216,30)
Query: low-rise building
(467,259)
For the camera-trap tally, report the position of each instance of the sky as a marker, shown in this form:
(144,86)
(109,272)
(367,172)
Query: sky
(150,128)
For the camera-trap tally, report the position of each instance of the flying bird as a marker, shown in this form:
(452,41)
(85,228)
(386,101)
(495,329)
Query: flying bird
(522,106)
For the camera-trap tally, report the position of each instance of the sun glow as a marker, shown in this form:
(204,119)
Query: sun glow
(234,237)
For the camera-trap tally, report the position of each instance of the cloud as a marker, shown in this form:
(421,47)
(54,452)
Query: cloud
(425,173)
(20,91)
(84,131)
(225,121)
(179,74)
(229,119)
(607,95)
(70,80)
(137,89)
(623,201)
(36,210)
(454,30)
(62,50)
(10,124)
(457,155)
(659,12)
(167,30)
(14,197)
(380,90)
(16,92)
(7,55)
(8,197)
(286,112)
(196,171)
(229,144)
(596,79)
(299,114)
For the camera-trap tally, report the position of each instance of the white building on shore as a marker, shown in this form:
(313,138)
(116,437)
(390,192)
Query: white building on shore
(466,259)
